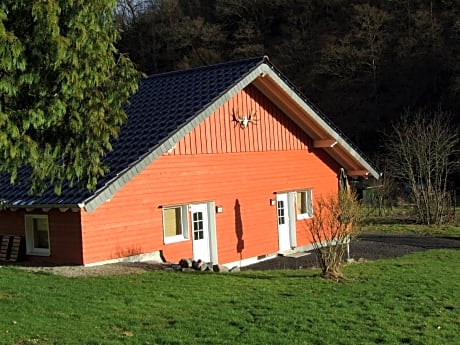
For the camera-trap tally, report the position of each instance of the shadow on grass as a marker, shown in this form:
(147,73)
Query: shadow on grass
(390,221)
(253,274)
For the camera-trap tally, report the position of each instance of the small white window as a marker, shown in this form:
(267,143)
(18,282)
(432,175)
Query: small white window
(175,224)
(37,235)
(304,203)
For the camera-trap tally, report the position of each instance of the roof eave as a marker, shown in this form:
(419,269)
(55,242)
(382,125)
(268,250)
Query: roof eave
(293,105)
(106,192)
(42,206)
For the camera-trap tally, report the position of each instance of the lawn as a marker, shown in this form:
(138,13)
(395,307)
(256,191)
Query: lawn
(402,220)
(409,300)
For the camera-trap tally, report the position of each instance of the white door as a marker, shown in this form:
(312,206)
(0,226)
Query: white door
(200,232)
(283,221)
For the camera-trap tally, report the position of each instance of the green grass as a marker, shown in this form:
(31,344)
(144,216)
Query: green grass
(401,220)
(409,300)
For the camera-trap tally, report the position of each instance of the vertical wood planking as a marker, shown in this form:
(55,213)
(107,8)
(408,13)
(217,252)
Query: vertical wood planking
(219,130)
(219,133)
(211,137)
(260,114)
(227,124)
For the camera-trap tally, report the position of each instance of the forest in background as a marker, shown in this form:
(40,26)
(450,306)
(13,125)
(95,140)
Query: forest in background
(363,63)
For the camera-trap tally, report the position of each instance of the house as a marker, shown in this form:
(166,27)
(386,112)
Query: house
(220,163)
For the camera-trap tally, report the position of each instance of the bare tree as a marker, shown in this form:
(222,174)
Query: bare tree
(423,151)
(370,36)
(336,220)
(359,53)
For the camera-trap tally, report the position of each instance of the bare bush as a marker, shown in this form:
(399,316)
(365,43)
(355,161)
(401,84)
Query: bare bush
(423,151)
(336,220)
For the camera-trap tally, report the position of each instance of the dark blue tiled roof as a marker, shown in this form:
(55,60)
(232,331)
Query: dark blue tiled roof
(163,103)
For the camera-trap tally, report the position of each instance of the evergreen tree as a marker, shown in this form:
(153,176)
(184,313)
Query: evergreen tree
(62,87)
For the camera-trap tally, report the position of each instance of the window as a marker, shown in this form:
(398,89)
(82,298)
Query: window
(304,204)
(175,224)
(281,210)
(37,235)
(198,226)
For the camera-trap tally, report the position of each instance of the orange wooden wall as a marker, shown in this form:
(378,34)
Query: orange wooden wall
(271,131)
(64,232)
(221,162)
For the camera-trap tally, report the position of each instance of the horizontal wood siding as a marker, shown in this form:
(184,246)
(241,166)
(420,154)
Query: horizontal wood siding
(64,233)
(243,183)
(239,169)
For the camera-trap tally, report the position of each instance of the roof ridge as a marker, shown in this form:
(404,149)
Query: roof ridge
(262,59)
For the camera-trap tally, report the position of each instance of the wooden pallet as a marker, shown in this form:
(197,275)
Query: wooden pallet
(10,247)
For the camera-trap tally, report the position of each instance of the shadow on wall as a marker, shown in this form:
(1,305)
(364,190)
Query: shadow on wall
(239,229)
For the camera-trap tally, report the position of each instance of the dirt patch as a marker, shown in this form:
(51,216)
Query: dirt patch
(95,271)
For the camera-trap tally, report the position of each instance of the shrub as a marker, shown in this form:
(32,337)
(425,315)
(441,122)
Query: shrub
(336,220)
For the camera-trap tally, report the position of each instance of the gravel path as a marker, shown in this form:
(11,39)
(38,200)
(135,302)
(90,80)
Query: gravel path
(367,247)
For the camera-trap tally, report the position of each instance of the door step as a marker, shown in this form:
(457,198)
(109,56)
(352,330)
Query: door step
(291,253)
(286,252)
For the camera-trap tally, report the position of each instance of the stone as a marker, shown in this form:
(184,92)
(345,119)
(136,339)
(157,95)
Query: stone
(202,266)
(175,267)
(235,269)
(220,268)
(196,264)
(185,263)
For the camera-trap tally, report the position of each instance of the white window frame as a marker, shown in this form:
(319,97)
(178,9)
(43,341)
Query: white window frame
(185,236)
(31,249)
(309,200)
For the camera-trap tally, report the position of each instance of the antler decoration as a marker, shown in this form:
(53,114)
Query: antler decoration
(246,119)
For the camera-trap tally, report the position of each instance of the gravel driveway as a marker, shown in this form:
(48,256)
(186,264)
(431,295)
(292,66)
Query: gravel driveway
(367,247)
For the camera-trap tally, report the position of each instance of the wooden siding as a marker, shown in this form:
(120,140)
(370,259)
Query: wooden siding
(271,131)
(64,233)
(242,183)
(239,169)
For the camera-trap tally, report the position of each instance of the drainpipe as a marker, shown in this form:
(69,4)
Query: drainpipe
(348,249)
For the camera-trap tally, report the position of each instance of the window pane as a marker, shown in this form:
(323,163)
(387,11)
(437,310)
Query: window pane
(40,232)
(281,219)
(41,239)
(309,205)
(301,203)
(304,203)
(198,226)
(41,224)
(172,221)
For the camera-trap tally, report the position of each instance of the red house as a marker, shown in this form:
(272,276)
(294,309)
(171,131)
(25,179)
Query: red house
(220,163)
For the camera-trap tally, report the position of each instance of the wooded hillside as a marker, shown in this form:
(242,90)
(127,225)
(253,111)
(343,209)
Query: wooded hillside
(363,63)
